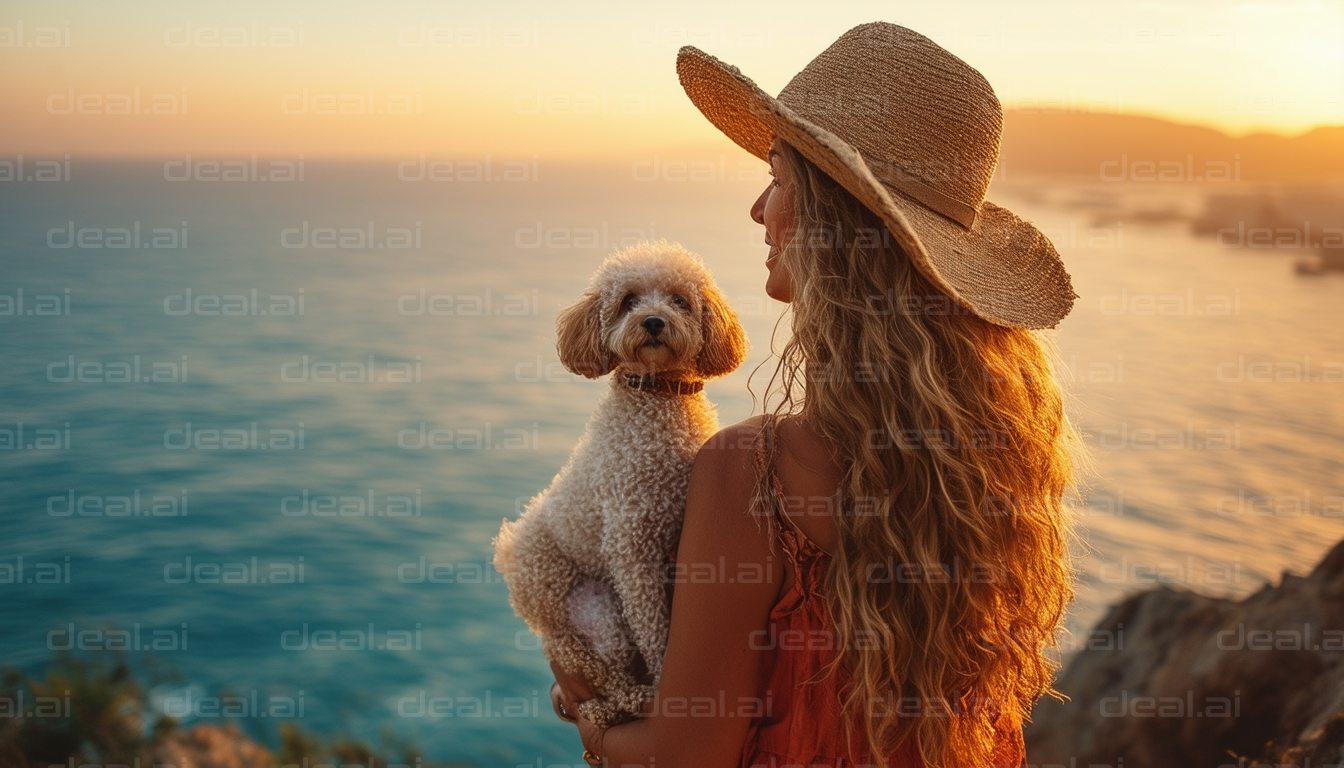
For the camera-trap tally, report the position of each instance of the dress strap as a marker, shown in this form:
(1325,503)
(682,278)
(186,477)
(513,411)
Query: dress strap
(807,560)
(803,546)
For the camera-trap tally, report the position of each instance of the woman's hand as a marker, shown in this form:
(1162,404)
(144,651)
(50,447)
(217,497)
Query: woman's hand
(575,687)
(566,694)
(564,704)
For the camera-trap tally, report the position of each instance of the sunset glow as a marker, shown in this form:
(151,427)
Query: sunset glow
(527,78)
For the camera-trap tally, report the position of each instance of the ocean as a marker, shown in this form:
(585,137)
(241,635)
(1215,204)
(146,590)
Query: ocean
(259,419)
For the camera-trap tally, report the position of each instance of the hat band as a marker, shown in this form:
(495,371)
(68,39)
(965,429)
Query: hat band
(952,208)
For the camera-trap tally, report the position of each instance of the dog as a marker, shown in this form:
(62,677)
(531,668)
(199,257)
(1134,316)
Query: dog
(585,562)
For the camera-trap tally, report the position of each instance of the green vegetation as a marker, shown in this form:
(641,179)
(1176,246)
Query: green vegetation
(92,709)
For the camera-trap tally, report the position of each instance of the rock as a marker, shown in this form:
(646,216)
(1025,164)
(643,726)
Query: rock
(1186,680)
(208,746)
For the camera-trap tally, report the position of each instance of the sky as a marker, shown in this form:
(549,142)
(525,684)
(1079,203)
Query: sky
(558,80)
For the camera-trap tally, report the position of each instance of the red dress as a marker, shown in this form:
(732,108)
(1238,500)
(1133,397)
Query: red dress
(802,726)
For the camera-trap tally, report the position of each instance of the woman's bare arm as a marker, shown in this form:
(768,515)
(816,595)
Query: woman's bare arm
(728,581)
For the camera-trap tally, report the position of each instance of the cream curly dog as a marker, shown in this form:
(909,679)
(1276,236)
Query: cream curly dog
(585,562)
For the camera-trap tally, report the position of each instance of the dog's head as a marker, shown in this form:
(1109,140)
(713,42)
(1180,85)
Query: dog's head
(651,308)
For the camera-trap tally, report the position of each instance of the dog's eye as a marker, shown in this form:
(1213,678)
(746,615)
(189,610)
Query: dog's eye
(681,302)
(627,302)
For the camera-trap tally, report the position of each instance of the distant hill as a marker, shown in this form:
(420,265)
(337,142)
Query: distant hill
(1093,145)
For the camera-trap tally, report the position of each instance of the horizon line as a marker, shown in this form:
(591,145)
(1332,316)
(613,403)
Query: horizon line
(590,154)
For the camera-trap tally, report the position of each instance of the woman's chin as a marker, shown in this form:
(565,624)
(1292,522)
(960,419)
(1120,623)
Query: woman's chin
(777,283)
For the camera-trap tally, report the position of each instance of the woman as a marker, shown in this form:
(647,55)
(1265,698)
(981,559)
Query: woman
(910,480)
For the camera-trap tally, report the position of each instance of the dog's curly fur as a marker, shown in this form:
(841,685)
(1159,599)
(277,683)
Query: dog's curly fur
(585,562)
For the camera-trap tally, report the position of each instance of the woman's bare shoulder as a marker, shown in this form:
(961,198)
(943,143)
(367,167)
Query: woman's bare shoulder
(723,478)
(725,458)
(800,441)
(741,435)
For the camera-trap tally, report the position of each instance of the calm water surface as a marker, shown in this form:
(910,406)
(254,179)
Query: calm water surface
(340,449)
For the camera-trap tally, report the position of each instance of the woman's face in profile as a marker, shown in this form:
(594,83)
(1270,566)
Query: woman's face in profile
(774,209)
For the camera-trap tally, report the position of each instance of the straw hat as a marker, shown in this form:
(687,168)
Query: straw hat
(913,133)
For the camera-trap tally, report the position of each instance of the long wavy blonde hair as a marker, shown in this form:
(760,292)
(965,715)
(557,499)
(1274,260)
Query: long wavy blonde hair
(952,569)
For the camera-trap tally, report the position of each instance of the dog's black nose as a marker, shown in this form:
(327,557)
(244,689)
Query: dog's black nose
(653,324)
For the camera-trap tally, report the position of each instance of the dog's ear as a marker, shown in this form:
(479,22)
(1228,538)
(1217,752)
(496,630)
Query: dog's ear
(725,344)
(579,337)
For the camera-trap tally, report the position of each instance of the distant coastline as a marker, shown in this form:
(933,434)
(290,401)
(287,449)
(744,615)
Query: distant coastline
(1118,147)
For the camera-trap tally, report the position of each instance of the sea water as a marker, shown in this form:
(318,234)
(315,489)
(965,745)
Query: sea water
(263,430)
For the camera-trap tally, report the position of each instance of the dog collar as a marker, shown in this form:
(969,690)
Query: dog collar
(652,383)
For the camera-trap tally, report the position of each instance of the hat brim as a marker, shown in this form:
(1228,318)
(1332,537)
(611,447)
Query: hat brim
(1002,269)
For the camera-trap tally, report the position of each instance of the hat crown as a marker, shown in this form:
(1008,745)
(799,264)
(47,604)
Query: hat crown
(912,133)
(917,114)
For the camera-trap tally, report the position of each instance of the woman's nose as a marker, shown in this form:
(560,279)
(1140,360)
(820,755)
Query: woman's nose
(758,207)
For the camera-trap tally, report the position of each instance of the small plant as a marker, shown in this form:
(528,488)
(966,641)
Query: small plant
(92,709)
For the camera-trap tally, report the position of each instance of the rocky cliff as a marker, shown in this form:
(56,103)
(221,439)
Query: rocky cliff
(1184,680)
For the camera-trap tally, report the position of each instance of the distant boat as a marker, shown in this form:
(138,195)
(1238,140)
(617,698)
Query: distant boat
(1325,260)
